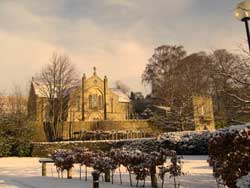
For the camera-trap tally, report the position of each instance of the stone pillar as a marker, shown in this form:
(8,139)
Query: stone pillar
(83,86)
(105,97)
(43,169)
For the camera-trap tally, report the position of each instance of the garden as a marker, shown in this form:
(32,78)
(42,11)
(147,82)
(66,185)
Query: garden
(147,162)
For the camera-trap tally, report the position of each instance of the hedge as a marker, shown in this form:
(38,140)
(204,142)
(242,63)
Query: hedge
(184,143)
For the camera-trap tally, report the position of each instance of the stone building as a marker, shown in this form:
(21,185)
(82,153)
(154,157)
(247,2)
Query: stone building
(93,106)
(92,99)
(203,113)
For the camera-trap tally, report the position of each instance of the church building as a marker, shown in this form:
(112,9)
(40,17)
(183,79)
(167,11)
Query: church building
(91,100)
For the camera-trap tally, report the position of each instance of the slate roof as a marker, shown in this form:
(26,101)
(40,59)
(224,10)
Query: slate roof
(122,96)
(40,91)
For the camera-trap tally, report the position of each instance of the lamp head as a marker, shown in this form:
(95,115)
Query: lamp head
(242,11)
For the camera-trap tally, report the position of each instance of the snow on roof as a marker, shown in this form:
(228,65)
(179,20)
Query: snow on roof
(40,89)
(166,108)
(122,96)
(234,128)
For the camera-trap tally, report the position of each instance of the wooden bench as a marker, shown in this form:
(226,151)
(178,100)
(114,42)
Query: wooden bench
(44,161)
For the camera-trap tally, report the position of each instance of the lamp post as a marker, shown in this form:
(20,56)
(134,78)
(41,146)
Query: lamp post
(242,13)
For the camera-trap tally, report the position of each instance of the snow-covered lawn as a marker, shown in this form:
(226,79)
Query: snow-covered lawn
(26,173)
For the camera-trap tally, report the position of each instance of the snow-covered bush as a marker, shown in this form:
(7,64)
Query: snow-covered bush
(184,143)
(141,163)
(229,154)
(137,162)
(187,142)
(244,181)
(174,169)
(82,158)
(63,159)
(143,145)
(103,163)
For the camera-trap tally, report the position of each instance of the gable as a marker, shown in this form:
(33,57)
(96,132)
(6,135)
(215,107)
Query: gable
(94,81)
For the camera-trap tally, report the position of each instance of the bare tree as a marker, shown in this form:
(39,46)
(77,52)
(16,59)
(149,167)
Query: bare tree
(57,78)
(175,78)
(158,72)
(232,84)
(17,105)
(13,107)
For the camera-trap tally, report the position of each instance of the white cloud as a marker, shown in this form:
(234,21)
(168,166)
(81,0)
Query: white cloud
(120,2)
(29,37)
(28,47)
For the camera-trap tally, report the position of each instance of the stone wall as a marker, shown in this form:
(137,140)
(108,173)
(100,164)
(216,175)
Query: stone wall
(70,128)
(39,133)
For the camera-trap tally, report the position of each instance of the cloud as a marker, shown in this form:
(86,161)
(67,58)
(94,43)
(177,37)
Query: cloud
(30,39)
(20,58)
(117,36)
(126,3)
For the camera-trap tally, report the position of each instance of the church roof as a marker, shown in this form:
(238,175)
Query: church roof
(40,89)
(122,96)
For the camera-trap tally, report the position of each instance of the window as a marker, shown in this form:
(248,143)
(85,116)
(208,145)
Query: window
(202,111)
(100,102)
(90,101)
(94,102)
(112,105)
(78,103)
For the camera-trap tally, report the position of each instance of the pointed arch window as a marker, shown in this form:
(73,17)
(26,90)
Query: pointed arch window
(94,102)
(90,101)
(100,102)
(78,103)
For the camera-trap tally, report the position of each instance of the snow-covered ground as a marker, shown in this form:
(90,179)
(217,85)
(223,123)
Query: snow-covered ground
(26,173)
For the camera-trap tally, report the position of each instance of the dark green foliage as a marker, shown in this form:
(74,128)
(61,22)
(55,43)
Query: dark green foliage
(15,140)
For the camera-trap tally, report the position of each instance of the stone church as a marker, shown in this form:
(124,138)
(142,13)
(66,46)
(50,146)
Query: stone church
(93,105)
(91,100)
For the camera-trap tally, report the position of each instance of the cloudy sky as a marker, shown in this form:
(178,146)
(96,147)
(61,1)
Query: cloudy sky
(116,36)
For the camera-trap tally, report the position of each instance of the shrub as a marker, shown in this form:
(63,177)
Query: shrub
(141,163)
(229,154)
(64,160)
(15,141)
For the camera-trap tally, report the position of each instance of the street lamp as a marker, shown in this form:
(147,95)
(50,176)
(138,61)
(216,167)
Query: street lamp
(242,13)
